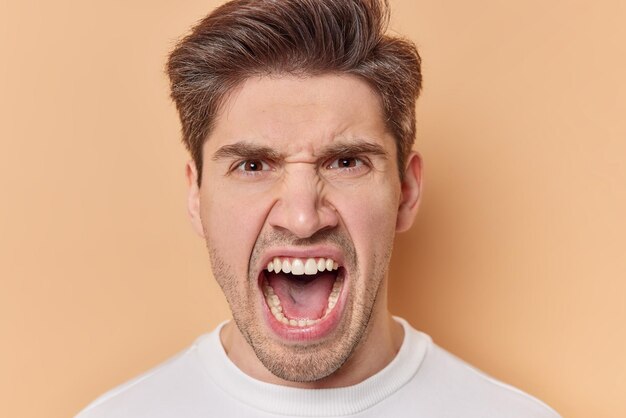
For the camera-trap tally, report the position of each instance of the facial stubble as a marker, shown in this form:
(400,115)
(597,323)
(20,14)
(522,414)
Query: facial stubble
(313,360)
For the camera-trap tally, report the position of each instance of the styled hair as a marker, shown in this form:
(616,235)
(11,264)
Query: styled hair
(247,38)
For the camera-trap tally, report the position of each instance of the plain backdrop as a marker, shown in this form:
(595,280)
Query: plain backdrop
(517,262)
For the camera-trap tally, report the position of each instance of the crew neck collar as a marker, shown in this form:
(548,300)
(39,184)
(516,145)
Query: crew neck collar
(283,400)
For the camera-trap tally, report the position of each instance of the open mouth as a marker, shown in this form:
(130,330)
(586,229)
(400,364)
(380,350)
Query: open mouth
(302,293)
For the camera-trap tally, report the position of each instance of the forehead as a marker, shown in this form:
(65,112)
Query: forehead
(300,114)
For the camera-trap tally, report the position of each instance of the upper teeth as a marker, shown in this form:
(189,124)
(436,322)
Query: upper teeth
(299,266)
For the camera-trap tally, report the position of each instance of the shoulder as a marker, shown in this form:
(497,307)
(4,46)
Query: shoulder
(453,385)
(160,392)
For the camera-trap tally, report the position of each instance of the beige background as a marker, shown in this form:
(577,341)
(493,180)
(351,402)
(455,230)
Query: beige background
(517,261)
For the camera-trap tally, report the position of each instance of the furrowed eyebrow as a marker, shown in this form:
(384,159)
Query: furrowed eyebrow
(357,147)
(246,150)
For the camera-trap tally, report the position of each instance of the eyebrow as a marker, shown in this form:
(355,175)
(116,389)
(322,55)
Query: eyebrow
(351,148)
(247,150)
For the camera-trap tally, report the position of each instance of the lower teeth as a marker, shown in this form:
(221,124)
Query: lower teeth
(277,311)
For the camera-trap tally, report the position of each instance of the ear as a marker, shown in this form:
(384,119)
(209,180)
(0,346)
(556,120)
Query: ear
(193,197)
(411,188)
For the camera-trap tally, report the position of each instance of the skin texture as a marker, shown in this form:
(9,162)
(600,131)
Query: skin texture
(304,164)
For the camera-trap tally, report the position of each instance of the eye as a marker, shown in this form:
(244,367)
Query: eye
(346,163)
(253,166)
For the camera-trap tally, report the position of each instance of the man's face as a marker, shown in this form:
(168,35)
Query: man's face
(299,205)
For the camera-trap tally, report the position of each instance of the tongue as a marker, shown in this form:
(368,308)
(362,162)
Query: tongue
(302,297)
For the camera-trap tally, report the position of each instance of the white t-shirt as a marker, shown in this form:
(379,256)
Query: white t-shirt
(423,380)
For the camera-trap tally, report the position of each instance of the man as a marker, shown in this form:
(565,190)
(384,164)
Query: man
(300,118)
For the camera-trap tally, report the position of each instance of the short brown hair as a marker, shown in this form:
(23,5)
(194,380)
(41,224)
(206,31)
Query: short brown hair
(246,38)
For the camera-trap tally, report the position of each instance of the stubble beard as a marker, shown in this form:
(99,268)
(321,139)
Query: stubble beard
(312,361)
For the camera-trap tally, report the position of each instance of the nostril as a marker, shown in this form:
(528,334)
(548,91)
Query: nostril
(302,213)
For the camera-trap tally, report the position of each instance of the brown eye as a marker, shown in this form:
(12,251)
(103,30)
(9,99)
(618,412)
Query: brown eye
(253,165)
(346,162)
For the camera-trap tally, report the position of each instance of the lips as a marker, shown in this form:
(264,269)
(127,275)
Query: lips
(303,295)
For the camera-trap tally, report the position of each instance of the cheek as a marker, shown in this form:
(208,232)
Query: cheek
(232,220)
(370,218)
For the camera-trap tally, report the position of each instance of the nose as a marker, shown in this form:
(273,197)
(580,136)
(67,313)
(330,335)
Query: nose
(301,207)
